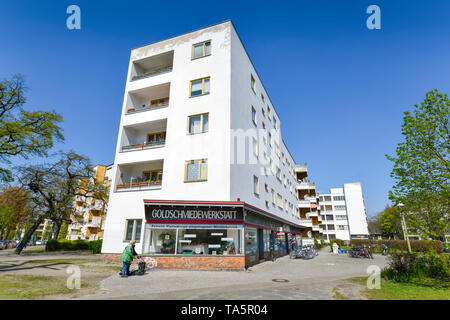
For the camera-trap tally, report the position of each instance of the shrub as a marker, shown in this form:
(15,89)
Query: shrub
(95,246)
(423,246)
(407,266)
(66,245)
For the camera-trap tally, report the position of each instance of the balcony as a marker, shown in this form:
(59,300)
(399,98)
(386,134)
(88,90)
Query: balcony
(138,186)
(312,214)
(94,223)
(150,98)
(143,136)
(139,177)
(152,66)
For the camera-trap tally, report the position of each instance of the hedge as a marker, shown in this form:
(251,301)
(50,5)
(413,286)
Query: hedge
(424,246)
(408,266)
(71,245)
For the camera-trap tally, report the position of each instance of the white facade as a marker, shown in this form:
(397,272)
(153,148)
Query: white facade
(163,71)
(343,213)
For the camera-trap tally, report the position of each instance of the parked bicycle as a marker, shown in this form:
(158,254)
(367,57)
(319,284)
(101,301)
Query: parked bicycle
(360,252)
(306,252)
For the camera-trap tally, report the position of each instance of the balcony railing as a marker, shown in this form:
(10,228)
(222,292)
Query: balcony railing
(94,223)
(147,107)
(152,73)
(143,146)
(136,186)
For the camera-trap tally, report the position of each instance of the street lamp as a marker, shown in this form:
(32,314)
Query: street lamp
(405,230)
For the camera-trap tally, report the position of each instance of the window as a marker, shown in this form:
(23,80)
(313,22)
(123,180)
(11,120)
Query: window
(329,217)
(331,236)
(265,143)
(196,170)
(338,198)
(198,123)
(270,139)
(133,230)
(199,87)
(192,241)
(255,147)
(263,112)
(256,185)
(156,138)
(331,227)
(268,112)
(154,176)
(266,187)
(159,102)
(280,201)
(274,123)
(263,125)
(344,227)
(327,198)
(201,49)
(262,97)
(254,116)
(273,196)
(251,243)
(339,207)
(252,82)
(341,217)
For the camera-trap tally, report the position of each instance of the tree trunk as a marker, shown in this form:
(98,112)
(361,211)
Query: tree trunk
(28,235)
(58,224)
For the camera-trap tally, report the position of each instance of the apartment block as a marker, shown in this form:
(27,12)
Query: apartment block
(201,178)
(344,213)
(308,206)
(89,216)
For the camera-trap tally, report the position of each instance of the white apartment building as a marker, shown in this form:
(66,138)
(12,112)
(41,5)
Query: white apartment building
(201,177)
(344,213)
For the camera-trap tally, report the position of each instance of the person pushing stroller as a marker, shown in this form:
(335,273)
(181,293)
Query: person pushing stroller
(127,257)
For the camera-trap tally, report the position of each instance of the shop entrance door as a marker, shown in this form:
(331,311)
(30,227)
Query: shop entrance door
(261,244)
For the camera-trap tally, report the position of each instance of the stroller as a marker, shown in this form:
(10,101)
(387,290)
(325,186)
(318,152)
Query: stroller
(140,270)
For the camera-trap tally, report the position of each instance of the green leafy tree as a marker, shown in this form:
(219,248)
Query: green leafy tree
(422,166)
(63,231)
(15,210)
(23,133)
(390,222)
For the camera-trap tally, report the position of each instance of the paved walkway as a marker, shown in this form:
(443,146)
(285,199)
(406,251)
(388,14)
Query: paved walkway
(307,279)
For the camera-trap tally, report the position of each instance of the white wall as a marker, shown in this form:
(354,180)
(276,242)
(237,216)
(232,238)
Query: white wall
(355,208)
(242,100)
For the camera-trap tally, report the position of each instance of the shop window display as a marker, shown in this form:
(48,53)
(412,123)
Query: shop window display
(186,241)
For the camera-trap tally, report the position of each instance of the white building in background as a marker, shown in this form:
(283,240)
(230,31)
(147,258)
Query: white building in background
(344,213)
(200,169)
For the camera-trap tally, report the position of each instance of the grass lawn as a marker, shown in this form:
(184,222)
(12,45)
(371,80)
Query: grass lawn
(32,287)
(404,291)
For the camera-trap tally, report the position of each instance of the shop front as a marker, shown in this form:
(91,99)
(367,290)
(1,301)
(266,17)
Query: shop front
(210,235)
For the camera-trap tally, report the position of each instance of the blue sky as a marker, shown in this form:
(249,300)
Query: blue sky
(339,88)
